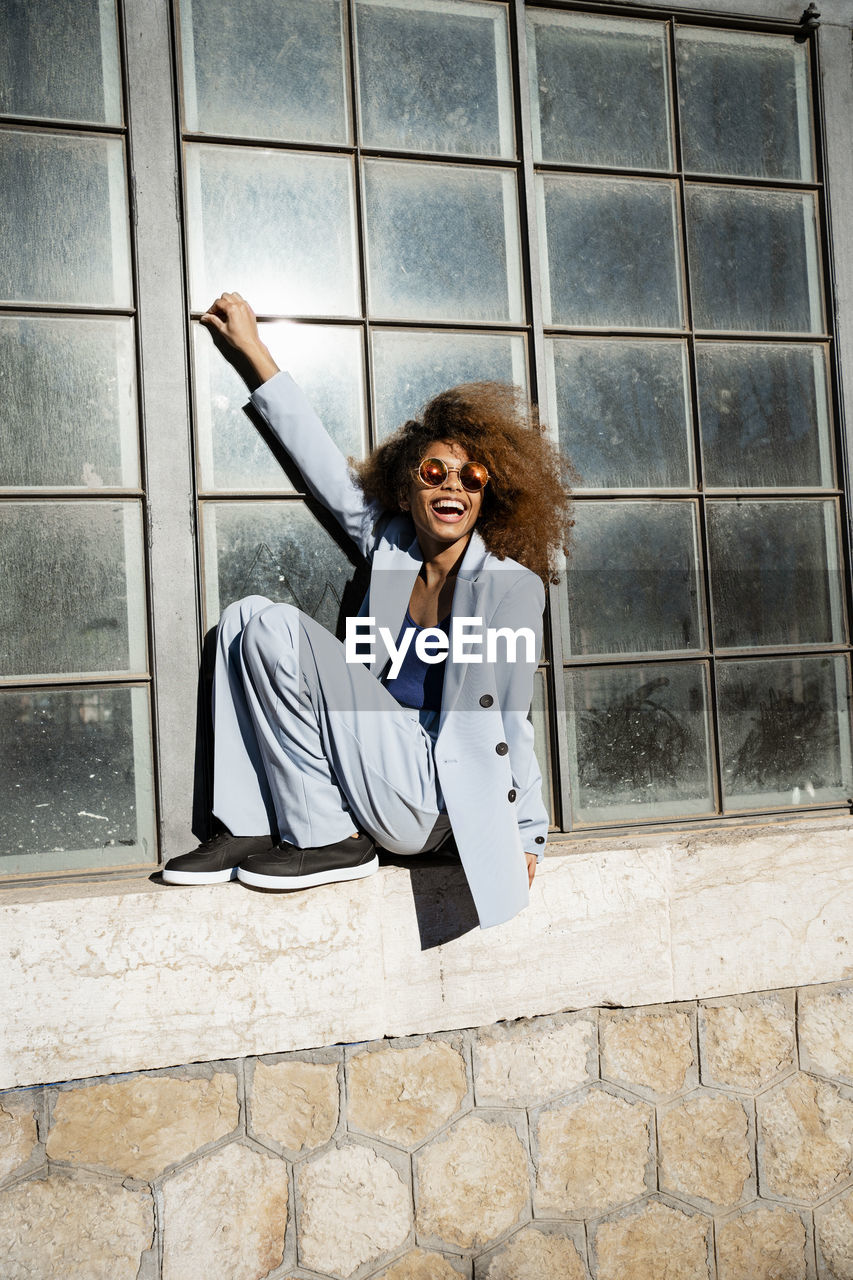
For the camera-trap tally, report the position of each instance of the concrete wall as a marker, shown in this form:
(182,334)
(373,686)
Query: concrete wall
(131,975)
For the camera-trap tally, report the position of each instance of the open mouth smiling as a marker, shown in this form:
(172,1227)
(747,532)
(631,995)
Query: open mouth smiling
(448,509)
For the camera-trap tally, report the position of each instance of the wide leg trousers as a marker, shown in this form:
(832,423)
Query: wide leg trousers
(313,747)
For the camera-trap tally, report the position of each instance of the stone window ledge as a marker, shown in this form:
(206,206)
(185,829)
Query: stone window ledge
(122,975)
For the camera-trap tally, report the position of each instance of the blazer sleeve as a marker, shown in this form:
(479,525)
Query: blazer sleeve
(523,606)
(327,474)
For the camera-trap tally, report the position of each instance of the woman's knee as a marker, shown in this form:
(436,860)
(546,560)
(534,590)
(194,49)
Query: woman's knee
(236,616)
(269,634)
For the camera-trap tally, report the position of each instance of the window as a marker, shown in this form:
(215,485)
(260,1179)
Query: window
(75,716)
(623,213)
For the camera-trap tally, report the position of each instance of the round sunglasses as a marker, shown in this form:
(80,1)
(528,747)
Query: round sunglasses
(473,476)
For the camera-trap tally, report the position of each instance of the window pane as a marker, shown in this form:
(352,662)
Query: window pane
(59,61)
(434,76)
(622,411)
(76,788)
(632,582)
(610,252)
(265,69)
(542,740)
(277,227)
(82,563)
(68,409)
(600,90)
(76,249)
(754,260)
(442,242)
(327,363)
(775,575)
(745,104)
(785,731)
(764,411)
(411,368)
(273,549)
(638,742)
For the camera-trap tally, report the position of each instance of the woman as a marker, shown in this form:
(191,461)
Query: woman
(415,733)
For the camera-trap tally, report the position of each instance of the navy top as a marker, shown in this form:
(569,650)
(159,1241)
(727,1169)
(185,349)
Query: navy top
(419,684)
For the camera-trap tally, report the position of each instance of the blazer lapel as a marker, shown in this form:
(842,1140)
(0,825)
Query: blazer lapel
(465,596)
(391,581)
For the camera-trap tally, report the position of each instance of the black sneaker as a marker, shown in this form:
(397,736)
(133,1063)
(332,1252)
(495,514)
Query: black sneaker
(215,860)
(286,867)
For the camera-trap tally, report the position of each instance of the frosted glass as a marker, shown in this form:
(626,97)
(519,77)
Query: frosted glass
(622,411)
(632,584)
(764,410)
(273,549)
(409,368)
(775,573)
(60,61)
(434,76)
(275,226)
(540,719)
(76,250)
(599,90)
(443,242)
(265,69)
(76,787)
(610,252)
(639,742)
(785,732)
(326,361)
(754,260)
(745,104)
(81,563)
(68,411)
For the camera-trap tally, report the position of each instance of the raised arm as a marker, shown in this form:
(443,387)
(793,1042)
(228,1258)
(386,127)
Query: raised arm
(295,424)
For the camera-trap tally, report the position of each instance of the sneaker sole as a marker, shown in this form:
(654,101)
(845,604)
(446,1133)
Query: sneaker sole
(199,877)
(261,881)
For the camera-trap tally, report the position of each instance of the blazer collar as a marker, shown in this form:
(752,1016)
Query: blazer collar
(474,560)
(393,579)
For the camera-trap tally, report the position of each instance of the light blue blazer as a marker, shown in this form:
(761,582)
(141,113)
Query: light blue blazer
(484,753)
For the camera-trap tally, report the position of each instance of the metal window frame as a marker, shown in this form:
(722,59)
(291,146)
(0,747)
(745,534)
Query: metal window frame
(149,42)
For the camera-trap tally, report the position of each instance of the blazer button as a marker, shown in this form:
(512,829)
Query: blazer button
(540,839)
(502,748)
(486,700)
(510,795)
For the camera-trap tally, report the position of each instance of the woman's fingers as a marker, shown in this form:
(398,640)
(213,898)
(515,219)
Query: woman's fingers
(232,317)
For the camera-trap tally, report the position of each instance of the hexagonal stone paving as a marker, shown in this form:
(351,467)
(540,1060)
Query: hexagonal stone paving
(653,1242)
(805,1130)
(226,1215)
(79,1230)
(18,1133)
(295,1103)
(355,1208)
(768,1242)
(593,1154)
(405,1095)
(704,1148)
(142,1125)
(826,1031)
(533,1255)
(472,1183)
(420,1265)
(746,1042)
(834,1236)
(529,1062)
(650,1049)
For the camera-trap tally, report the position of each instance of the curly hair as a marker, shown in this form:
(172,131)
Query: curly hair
(526,511)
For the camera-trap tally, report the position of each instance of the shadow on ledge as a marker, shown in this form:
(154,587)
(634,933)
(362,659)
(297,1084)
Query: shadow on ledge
(444,907)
